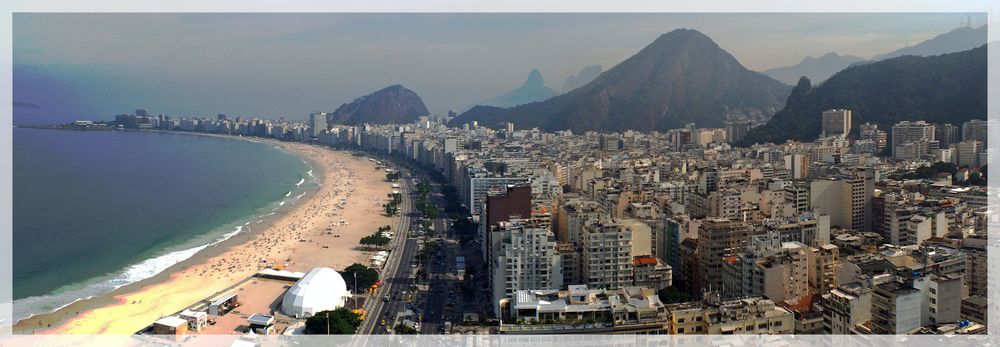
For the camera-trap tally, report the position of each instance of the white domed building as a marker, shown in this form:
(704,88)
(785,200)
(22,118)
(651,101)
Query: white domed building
(322,289)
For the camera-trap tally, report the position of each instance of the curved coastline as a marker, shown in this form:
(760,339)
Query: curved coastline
(242,230)
(300,238)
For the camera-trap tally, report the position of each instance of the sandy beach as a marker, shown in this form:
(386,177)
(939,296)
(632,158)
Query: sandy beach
(317,231)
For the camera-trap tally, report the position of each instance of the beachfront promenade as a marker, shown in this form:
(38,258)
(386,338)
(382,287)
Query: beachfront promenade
(395,275)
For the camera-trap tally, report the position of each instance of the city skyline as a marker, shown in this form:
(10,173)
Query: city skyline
(254,174)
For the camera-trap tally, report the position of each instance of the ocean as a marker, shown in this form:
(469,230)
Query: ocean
(97,210)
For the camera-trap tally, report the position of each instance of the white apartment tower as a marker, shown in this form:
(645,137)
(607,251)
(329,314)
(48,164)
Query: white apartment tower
(607,255)
(908,132)
(526,259)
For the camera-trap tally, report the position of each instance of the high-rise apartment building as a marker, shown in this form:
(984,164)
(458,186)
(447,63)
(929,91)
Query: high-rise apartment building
(798,165)
(317,124)
(975,130)
(846,306)
(514,203)
(737,130)
(847,199)
(525,258)
(966,153)
(871,132)
(797,194)
(896,308)
(573,215)
(910,131)
(607,255)
(946,134)
(836,122)
(719,239)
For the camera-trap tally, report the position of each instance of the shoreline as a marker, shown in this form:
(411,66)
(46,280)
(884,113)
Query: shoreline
(71,310)
(77,317)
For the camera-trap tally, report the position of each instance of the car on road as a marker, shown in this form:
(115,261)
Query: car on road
(385,298)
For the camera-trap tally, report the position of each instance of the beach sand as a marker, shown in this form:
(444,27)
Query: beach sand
(303,238)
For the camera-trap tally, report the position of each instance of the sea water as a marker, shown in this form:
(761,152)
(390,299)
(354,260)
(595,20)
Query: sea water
(97,210)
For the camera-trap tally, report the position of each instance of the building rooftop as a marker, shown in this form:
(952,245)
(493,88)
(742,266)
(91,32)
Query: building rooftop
(171,321)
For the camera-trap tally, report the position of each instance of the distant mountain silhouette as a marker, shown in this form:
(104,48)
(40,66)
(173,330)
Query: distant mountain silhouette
(948,88)
(817,69)
(681,77)
(532,90)
(586,75)
(393,104)
(957,40)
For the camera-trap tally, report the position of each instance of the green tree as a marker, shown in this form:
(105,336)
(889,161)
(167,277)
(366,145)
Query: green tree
(405,330)
(337,322)
(975,179)
(391,209)
(375,239)
(429,249)
(432,211)
(366,276)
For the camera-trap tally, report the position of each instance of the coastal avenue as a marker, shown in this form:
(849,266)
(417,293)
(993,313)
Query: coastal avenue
(440,283)
(395,276)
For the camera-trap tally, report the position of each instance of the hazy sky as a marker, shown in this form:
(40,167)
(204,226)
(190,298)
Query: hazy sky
(272,65)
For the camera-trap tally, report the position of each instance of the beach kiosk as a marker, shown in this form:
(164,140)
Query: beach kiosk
(170,325)
(261,324)
(224,304)
(196,319)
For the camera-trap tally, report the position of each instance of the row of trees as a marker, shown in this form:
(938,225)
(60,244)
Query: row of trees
(453,203)
(392,208)
(425,206)
(377,239)
(424,257)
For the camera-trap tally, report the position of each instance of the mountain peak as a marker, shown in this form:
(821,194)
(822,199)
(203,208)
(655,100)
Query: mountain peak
(534,79)
(684,33)
(679,78)
(680,38)
(532,90)
(392,104)
(803,87)
(826,57)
